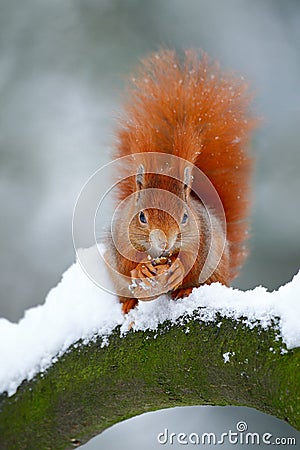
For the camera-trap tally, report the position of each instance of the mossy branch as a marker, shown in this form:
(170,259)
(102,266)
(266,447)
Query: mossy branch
(93,386)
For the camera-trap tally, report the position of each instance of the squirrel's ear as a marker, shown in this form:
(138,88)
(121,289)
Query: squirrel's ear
(187,180)
(140,176)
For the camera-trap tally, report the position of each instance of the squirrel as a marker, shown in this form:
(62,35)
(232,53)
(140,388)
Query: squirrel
(183,190)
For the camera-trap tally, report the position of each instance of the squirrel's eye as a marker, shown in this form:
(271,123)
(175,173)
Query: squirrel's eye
(184,218)
(142,217)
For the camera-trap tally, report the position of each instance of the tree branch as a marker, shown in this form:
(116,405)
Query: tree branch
(93,387)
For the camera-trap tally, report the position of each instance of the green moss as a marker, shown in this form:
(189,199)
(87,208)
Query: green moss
(90,388)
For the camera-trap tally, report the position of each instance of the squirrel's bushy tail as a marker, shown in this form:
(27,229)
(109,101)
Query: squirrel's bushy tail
(189,107)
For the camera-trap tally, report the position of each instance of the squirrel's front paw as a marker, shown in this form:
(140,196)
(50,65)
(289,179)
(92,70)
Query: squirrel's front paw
(144,284)
(150,279)
(175,275)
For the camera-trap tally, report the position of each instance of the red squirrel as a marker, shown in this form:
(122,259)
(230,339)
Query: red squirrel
(184,115)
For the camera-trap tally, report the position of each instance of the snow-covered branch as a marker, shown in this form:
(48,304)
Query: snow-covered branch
(75,365)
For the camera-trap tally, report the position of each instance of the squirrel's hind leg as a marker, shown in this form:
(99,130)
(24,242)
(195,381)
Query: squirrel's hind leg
(128,304)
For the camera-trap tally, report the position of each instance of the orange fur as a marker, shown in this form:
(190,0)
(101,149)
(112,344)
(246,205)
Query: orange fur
(190,108)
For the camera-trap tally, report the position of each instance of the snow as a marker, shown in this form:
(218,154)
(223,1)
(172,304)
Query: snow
(226,356)
(78,309)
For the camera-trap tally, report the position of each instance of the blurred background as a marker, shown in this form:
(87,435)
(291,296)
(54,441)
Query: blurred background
(63,69)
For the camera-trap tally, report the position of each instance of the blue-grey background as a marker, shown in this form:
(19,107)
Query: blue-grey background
(62,69)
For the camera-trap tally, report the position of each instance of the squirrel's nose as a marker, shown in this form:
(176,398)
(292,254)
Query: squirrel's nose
(158,242)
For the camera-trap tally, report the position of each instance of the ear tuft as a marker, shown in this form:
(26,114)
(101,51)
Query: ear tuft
(187,180)
(140,176)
